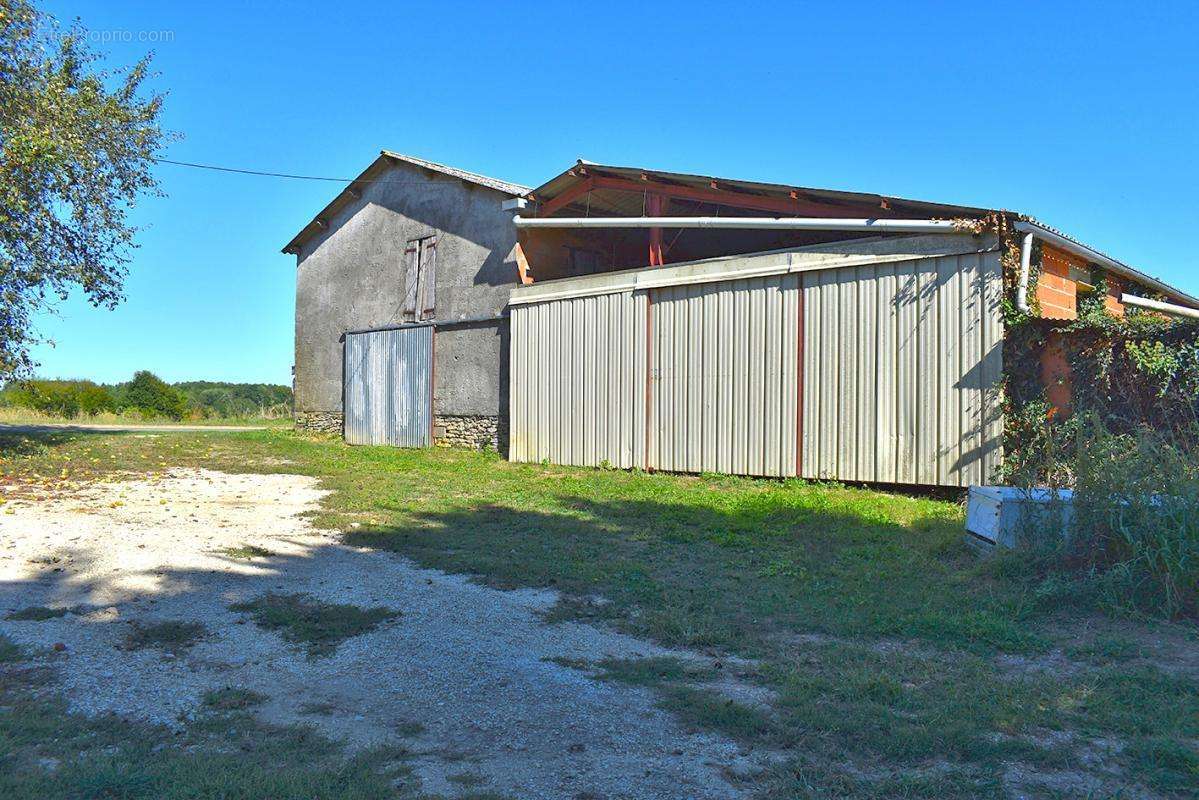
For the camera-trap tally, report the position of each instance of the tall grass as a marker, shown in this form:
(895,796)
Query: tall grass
(1136,518)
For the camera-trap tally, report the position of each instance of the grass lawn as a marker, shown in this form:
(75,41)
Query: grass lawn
(894,663)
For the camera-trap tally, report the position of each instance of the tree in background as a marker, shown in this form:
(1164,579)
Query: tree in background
(154,396)
(66,399)
(76,147)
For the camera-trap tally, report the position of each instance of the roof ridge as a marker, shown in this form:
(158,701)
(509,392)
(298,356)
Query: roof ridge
(474,177)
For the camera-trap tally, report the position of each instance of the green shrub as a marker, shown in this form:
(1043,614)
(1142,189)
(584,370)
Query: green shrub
(59,398)
(154,397)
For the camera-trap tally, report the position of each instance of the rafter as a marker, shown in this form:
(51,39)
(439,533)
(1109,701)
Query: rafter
(568,196)
(727,197)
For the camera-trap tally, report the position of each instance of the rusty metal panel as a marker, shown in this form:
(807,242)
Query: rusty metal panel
(573,383)
(901,371)
(388,387)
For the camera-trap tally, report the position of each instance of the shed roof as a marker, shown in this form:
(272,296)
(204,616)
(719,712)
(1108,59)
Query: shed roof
(386,157)
(807,201)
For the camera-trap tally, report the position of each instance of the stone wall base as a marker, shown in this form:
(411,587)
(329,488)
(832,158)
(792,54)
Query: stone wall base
(478,432)
(320,421)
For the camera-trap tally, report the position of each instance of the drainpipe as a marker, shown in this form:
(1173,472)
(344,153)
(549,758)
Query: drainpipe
(1025,267)
(1158,305)
(746,223)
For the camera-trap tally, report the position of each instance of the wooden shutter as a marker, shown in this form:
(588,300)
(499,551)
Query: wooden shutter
(411,276)
(428,278)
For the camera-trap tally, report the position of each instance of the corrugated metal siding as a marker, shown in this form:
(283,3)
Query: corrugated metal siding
(901,364)
(388,387)
(901,367)
(578,381)
(723,385)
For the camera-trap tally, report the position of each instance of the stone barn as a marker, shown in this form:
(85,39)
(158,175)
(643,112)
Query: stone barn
(408,271)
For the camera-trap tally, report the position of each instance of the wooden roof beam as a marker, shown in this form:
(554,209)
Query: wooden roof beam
(568,196)
(726,197)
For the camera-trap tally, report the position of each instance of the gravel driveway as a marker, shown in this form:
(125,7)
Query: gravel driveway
(468,663)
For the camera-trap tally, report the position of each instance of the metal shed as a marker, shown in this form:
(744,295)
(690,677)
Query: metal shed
(864,360)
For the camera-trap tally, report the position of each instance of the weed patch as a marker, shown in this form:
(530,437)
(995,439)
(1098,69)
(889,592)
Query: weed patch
(9,650)
(320,627)
(37,614)
(172,636)
(232,698)
(247,552)
(466,779)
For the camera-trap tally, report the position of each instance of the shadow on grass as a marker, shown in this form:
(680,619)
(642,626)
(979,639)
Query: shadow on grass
(32,440)
(737,578)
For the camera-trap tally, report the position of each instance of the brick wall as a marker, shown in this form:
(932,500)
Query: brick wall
(1057,292)
(1058,285)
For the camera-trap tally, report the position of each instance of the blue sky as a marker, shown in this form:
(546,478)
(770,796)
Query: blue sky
(1085,115)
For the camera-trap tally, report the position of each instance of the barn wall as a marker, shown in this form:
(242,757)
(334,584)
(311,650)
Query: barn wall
(902,366)
(351,277)
(697,367)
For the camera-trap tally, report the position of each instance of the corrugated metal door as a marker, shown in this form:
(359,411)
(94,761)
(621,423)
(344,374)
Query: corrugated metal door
(578,381)
(388,387)
(724,387)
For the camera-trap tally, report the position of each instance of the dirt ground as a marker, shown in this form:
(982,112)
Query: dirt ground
(464,675)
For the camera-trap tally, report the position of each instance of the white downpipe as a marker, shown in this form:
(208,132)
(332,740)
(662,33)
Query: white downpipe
(1158,305)
(746,223)
(1025,269)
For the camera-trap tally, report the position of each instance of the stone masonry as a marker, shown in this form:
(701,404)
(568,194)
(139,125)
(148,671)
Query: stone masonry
(320,421)
(478,432)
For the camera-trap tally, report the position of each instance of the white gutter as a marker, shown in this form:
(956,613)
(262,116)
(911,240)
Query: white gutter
(747,223)
(1081,250)
(1025,264)
(1158,305)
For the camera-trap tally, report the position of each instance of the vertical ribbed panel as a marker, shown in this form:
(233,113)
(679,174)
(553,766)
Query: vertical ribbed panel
(724,382)
(901,370)
(575,396)
(902,362)
(388,384)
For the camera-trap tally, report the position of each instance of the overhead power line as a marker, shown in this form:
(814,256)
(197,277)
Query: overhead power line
(266,174)
(251,171)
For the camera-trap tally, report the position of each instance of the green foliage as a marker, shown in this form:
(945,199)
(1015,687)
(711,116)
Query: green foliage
(67,399)
(37,614)
(1136,518)
(209,399)
(1133,543)
(153,396)
(1127,446)
(149,397)
(9,650)
(76,149)
(1136,371)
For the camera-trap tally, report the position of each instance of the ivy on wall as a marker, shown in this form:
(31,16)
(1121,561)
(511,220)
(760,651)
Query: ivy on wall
(1132,373)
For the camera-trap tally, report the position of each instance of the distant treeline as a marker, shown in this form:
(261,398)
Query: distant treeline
(148,396)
